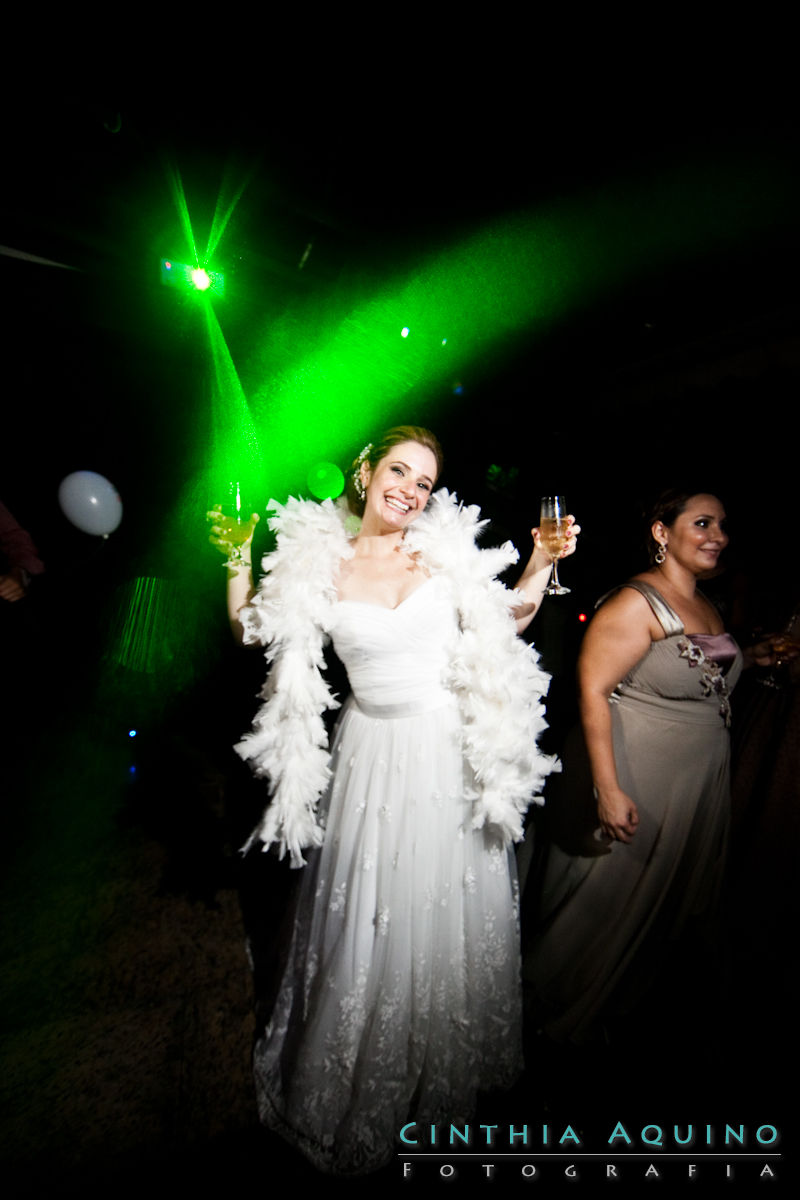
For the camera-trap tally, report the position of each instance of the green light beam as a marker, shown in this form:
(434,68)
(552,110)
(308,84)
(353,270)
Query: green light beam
(511,281)
(222,216)
(140,641)
(182,208)
(235,453)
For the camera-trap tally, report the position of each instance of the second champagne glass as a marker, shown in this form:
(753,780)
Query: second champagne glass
(554,530)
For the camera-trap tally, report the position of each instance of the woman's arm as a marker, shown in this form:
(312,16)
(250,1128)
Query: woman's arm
(533,579)
(240,592)
(619,635)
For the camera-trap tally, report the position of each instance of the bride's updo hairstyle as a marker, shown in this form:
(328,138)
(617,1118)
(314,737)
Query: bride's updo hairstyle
(377,451)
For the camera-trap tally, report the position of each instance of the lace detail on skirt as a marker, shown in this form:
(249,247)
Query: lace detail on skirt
(401,996)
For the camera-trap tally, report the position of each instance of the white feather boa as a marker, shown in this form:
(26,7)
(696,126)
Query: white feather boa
(494,674)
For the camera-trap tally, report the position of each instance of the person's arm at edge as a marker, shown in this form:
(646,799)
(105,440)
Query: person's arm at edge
(618,636)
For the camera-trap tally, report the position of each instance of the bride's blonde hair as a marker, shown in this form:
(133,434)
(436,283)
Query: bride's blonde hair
(374,452)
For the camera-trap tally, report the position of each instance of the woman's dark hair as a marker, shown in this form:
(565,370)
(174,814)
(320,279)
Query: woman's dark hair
(666,508)
(378,451)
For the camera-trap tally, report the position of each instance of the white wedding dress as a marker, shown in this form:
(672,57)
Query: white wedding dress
(401,996)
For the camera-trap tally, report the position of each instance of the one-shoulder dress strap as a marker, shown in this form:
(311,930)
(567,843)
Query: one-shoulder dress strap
(669,620)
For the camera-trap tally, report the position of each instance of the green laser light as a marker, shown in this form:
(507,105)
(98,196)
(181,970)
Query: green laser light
(192,279)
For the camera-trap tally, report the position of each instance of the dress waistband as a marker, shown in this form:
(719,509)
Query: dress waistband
(409,708)
(693,712)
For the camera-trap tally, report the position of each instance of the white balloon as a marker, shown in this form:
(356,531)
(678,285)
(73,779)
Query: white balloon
(90,502)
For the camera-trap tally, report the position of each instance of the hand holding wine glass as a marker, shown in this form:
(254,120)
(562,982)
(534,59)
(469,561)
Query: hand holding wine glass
(231,530)
(555,530)
(778,651)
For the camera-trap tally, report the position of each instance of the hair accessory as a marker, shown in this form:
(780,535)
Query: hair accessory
(661,553)
(358,482)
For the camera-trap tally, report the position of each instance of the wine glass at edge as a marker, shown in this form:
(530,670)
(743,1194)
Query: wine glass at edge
(233,521)
(554,533)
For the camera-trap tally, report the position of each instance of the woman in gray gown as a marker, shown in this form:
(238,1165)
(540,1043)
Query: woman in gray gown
(629,870)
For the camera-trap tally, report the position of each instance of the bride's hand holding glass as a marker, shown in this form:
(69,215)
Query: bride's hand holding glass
(232,533)
(556,537)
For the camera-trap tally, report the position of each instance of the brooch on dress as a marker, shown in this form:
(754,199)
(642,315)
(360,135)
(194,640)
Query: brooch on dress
(712,681)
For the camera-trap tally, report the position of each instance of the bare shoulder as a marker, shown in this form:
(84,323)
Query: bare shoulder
(624,603)
(619,635)
(627,614)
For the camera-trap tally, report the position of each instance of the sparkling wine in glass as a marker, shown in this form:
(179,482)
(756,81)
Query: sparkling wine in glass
(785,648)
(233,523)
(554,532)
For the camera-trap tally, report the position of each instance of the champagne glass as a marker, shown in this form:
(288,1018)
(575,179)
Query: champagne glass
(554,533)
(232,521)
(785,648)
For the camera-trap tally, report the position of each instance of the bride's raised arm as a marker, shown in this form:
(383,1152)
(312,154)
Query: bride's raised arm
(240,589)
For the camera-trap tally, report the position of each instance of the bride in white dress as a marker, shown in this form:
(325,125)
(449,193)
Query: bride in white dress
(401,995)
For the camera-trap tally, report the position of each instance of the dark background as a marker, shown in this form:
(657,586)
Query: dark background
(685,366)
(128,997)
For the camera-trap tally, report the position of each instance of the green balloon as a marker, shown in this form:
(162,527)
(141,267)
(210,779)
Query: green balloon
(325,481)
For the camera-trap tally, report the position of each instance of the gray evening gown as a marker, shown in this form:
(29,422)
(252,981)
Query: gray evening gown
(607,913)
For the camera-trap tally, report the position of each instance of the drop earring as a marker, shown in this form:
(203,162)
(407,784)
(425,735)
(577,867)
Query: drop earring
(358,481)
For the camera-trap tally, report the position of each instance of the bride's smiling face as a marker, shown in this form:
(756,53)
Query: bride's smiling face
(399,487)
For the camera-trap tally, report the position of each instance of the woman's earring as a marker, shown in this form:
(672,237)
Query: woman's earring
(361,491)
(661,553)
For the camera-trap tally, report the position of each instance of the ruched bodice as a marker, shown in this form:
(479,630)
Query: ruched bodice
(721,648)
(680,675)
(396,658)
(667,679)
